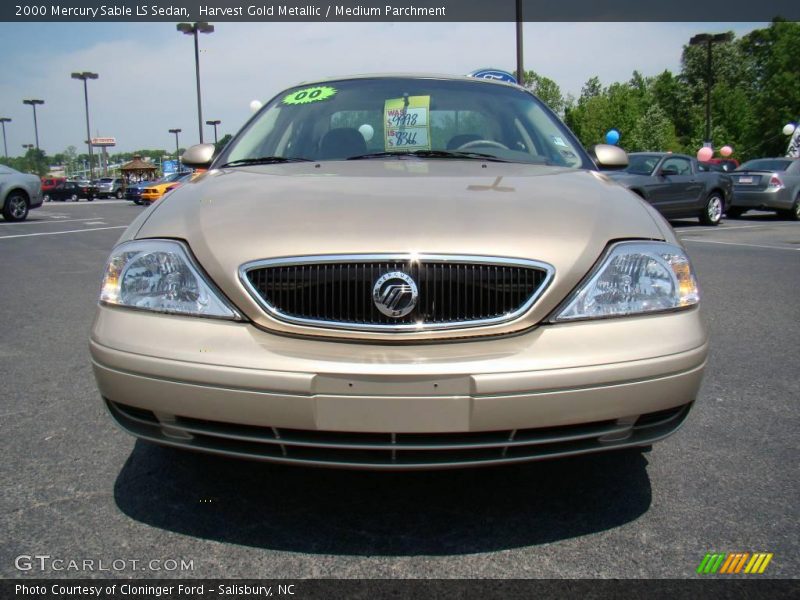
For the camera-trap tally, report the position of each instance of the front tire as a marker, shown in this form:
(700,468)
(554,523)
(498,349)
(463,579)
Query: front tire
(119,194)
(712,210)
(16,207)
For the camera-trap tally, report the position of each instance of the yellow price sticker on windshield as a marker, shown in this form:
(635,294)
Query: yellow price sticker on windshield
(405,123)
(308,95)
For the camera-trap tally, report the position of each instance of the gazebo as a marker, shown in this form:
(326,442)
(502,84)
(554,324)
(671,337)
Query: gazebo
(138,170)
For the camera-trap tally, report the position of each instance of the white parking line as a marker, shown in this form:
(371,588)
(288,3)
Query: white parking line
(737,244)
(6,237)
(62,220)
(732,227)
(96,223)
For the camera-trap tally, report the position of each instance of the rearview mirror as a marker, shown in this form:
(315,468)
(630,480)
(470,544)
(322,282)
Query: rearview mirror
(198,156)
(609,157)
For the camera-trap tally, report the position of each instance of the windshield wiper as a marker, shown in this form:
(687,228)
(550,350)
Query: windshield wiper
(431,154)
(264,160)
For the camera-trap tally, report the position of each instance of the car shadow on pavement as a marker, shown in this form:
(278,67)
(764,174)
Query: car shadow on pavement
(323,511)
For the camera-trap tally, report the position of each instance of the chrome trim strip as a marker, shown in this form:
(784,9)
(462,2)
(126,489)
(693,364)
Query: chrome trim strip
(404,327)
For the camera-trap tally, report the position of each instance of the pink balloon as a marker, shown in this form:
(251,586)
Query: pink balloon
(704,154)
(726,151)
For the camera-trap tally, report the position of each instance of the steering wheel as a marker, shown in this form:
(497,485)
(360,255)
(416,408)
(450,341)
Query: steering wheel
(478,143)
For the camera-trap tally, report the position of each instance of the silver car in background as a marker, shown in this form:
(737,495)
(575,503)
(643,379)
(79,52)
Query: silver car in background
(767,184)
(19,193)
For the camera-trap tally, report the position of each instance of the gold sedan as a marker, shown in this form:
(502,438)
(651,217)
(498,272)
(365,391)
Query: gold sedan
(395,272)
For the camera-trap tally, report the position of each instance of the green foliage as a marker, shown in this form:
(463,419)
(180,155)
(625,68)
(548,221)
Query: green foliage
(546,90)
(653,131)
(756,91)
(33,161)
(218,147)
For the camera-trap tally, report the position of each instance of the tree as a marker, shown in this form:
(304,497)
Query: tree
(653,131)
(591,89)
(220,145)
(546,90)
(773,58)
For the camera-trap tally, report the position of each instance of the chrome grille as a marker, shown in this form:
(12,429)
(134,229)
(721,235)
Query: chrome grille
(453,291)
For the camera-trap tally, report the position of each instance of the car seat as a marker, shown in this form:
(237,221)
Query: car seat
(342,142)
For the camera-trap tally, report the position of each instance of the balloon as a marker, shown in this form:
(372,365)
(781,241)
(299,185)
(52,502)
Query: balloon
(366,131)
(612,136)
(255,105)
(789,128)
(726,151)
(704,154)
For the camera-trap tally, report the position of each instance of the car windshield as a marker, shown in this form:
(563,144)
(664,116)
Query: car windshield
(642,164)
(765,164)
(106,180)
(390,117)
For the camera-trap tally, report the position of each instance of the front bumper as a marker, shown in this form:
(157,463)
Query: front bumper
(232,389)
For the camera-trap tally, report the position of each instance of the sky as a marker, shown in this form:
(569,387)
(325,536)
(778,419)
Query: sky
(147,77)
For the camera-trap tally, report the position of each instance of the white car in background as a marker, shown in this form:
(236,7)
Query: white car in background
(19,193)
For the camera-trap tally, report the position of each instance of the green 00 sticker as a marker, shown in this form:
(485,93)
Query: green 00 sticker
(312,94)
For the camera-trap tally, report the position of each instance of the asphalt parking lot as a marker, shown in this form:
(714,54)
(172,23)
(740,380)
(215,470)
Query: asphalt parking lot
(75,487)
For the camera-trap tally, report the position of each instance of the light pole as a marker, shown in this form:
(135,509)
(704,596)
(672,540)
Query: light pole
(176,132)
(33,103)
(214,123)
(194,29)
(520,69)
(3,121)
(85,76)
(709,39)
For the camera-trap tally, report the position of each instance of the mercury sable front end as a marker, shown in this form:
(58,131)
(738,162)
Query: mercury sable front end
(400,273)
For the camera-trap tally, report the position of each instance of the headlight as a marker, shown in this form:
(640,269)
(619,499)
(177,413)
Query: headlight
(634,278)
(160,275)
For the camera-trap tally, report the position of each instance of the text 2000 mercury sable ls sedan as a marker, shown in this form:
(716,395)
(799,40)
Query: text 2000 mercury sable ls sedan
(400,272)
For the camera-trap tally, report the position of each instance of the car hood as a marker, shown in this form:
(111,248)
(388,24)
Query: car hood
(564,217)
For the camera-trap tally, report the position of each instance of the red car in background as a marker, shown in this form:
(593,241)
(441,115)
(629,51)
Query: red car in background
(723,164)
(49,183)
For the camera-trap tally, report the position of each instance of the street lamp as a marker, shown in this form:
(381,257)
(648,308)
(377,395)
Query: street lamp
(709,39)
(3,121)
(214,123)
(85,76)
(176,132)
(520,69)
(194,29)
(33,103)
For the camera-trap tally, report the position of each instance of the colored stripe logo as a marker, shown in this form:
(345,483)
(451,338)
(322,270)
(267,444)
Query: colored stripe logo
(734,562)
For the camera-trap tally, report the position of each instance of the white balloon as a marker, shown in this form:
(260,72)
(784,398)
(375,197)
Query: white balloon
(366,131)
(255,105)
(789,128)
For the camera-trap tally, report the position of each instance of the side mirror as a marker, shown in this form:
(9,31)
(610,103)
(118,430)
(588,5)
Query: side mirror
(609,157)
(198,156)
(668,171)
